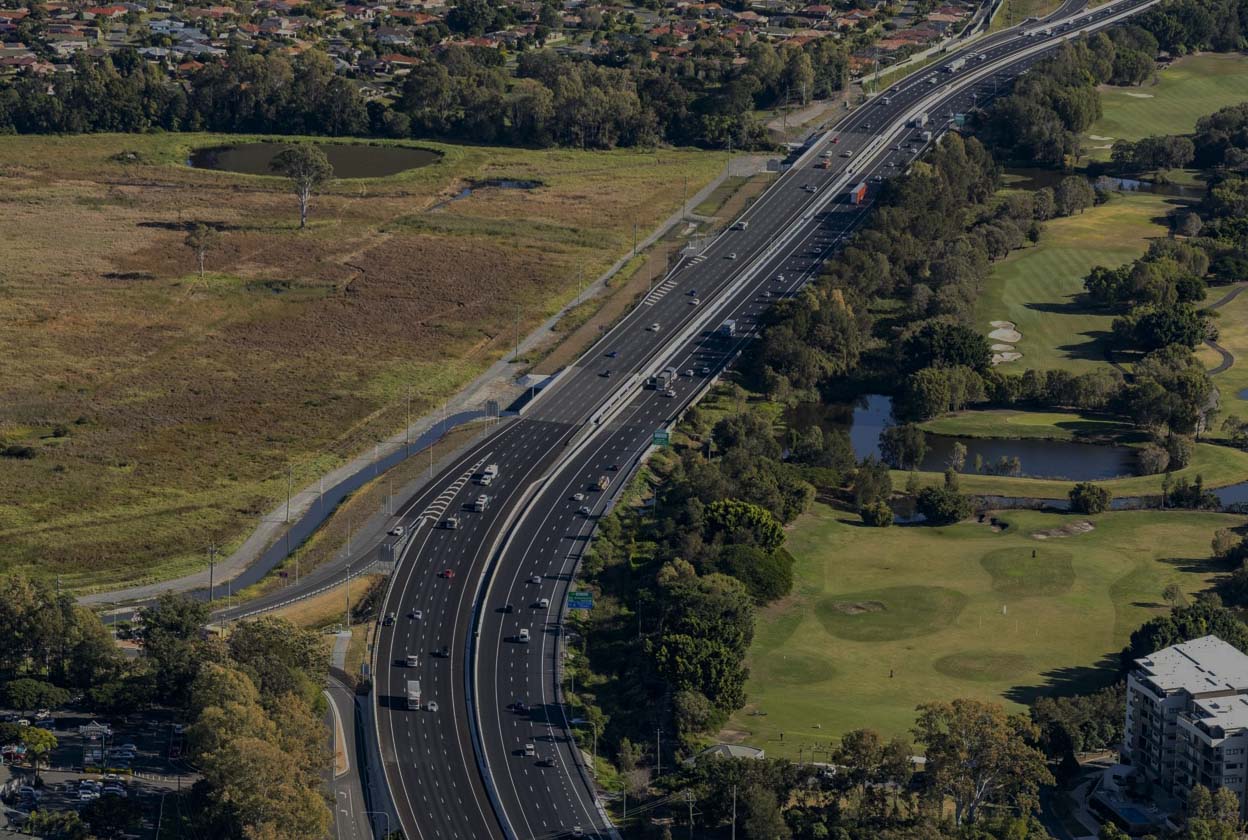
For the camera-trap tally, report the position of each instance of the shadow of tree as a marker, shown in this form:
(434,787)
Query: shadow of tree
(1064,682)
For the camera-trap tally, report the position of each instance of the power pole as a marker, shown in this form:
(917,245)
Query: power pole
(658,752)
(347,624)
(212,563)
(407,427)
(290,478)
(689,799)
(348,537)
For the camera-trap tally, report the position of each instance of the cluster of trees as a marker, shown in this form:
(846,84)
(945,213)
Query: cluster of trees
(982,761)
(456,92)
(257,735)
(713,551)
(1047,110)
(1151,153)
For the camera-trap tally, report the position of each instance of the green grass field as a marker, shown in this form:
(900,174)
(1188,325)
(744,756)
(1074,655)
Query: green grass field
(962,611)
(1187,90)
(1007,423)
(1040,288)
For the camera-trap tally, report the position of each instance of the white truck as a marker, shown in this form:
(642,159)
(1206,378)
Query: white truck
(481,503)
(728,328)
(487,476)
(413,695)
(955,65)
(920,120)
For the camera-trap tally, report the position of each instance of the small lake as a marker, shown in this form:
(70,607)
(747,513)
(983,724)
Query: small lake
(1035,178)
(350,160)
(1060,459)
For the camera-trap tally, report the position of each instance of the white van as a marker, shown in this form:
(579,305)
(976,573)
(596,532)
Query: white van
(524,635)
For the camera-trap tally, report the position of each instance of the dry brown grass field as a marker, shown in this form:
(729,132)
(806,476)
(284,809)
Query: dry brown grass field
(163,410)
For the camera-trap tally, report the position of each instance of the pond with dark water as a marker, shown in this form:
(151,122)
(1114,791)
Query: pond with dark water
(1029,178)
(350,160)
(1057,459)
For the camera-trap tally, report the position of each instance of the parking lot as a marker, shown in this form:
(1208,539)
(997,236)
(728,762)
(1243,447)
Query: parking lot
(137,757)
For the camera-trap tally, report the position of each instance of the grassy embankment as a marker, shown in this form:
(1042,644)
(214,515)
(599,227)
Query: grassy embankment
(1232,322)
(963,611)
(165,410)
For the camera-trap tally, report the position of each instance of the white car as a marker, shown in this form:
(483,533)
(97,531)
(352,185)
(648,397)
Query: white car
(543,603)
(535,579)
(396,531)
(653,328)
(694,301)
(733,255)
(418,615)
(432,706)
(584,511)
(578,497)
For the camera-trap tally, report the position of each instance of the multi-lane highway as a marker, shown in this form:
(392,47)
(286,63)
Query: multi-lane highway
(477,608)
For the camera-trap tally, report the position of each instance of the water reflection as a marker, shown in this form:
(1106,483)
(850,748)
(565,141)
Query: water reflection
(350,160)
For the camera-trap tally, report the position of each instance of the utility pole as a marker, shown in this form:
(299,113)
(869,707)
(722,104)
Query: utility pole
(347,624)
(689,799)
(290,479)
(390,498)
(634,238)
(348,537)
(212,563)
(407,427)
(658,752)
(376,456)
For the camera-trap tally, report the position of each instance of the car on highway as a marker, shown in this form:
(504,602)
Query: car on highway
(578,497)
(416,615)
(694,301)
(836,139)
(386,622)
(693,293)
(450,523)
(546,762)
(606,373)
(523,636)
(449,574)
(535,579)
(688,371)
(396,531)
(669,393)
(530,749)
(733,255)
(431,706)
(653,328)
(614,468)
(518,706)
(413,661)
(444,652)
(584,511)
(611,354)
(508,609)
(543,603)
(705,370)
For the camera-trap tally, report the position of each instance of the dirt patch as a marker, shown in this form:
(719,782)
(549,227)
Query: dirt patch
(1071,530)
(857,607)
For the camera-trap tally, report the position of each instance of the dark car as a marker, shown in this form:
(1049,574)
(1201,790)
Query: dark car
(508,608)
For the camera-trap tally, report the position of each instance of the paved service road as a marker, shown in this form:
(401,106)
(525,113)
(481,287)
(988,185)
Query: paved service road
(472,584)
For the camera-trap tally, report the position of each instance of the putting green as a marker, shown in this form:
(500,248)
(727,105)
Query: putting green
(1022,572)
(899,612)
(983,665)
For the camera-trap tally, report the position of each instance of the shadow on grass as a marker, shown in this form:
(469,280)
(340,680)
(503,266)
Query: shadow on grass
(1064,682)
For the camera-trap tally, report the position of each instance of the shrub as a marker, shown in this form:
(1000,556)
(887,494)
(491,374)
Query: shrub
(1086,497)
(877,515)
(942,506)
(1153,460)
(1180,449)
(767,575)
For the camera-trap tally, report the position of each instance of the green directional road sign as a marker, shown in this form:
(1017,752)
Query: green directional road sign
(662,438)
(580,600)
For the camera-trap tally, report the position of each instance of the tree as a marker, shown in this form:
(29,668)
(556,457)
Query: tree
(1086,497)
(744,524)
(201,239)
(1203,617)
(1074,195)
(39,744)
(1173,595)
(763,819)
(939,344)
(111,815)
(872,482)
(979,756)
(903,447)
(942,505)
(27,695)
(308,170)
(876,515)
(957,456)
(869,761)
(170,636)
(767,574)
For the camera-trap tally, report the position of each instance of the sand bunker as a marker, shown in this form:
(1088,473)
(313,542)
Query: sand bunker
(1071,530)
(1098,137)
(857,607)
(1011,356)
(1140,95)
(1004,347)
(1004,332)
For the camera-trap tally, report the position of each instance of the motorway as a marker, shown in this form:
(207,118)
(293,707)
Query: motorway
(461,596)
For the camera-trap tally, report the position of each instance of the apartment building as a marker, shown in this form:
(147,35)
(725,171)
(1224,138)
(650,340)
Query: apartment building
(1187,717)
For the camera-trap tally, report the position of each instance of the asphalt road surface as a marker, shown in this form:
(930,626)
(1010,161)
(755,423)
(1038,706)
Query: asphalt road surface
(463,598)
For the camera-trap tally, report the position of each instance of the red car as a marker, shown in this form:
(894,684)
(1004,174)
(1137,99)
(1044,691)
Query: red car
(448,573)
